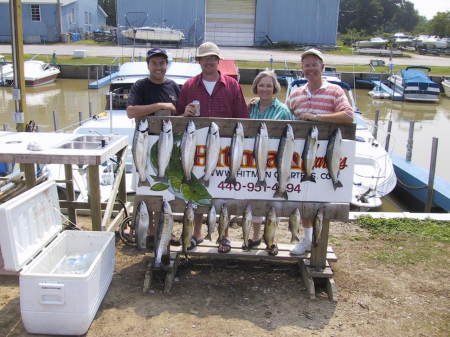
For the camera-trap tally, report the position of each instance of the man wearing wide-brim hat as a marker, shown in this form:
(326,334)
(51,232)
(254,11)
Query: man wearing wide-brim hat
(218,96)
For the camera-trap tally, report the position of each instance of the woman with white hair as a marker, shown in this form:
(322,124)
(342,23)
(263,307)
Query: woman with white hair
(265,106)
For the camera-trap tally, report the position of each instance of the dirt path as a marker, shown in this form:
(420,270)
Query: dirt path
(375,298)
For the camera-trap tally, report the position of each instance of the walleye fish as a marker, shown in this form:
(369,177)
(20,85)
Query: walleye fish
(261,152)
(165,146)
(188,147)
(246,226)
(284,161)
(317,227)
(211,222)
(294,225)
(236,153)
(212,152)
(188,227)
(270,229)
(141,141)
(309,153)
(141,223)
(163,234)
(333,157)
(224,221)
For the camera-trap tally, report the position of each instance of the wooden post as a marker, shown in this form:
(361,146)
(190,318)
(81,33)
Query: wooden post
(319,253)
(80,116)
(30,174)
(70,194)
(388,136)
(55,121)
(430,190)
(409,145)
(94,197)
(375,128)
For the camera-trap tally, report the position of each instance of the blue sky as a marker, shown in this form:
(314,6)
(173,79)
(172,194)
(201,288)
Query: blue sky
(429,8)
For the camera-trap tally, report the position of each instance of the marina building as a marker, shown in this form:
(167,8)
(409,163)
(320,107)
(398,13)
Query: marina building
(236,22)
(47,20)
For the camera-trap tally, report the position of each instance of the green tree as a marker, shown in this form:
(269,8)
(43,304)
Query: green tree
(440,24)
(109,6)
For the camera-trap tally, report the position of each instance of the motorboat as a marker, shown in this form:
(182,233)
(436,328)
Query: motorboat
(446,85)
(6,69)
(378,93)
(373,176)
(375,42)
(402,40)
(413,84)
(163,34)
(36,73)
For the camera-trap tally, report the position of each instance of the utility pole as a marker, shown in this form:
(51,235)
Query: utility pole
(19,95)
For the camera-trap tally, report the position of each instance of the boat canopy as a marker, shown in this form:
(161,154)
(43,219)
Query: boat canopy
(415,76)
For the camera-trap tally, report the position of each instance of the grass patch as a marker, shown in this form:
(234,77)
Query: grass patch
(432,229)
(410,253)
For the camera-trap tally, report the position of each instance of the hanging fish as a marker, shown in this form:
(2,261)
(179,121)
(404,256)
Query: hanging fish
(261,152)
(211,222)
(309,153)
(317,227)
(246,226)
(141,224)
(212,152)
(270,229)
(236,153)
(163,234)
(294,225)
(224,222)
(141,141)
(333,157)
(165,146)
(284,161)
(188,227)
(188,147)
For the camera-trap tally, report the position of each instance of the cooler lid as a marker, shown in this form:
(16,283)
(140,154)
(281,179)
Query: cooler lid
(28,223)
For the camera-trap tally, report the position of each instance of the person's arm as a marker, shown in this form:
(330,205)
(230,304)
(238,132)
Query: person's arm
(183,108)
(137,111)
(340,117)
(240,110)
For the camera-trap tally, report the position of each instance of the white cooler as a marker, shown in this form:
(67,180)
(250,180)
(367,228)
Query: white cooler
(63,275)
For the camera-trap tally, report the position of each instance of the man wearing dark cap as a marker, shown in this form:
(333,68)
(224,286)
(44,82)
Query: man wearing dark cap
(155,92)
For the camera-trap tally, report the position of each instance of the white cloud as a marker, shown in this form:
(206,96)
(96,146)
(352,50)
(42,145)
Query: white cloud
(429,8)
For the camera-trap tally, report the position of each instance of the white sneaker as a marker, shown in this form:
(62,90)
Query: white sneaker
(301,247)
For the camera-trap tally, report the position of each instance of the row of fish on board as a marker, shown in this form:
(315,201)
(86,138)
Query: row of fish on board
(260,152)
(165,226)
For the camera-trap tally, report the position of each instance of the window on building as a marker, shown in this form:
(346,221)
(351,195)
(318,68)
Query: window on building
(72,16)
(35,13)
(87,18)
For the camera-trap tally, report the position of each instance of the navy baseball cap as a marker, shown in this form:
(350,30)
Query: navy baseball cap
(156,52)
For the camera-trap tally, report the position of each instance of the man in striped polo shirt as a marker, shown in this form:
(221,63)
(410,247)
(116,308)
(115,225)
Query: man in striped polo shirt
(321,101)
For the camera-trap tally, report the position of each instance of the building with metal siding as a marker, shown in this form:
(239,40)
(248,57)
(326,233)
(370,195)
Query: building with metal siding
(88,16)
(187,16)
(233,22)
(297,21)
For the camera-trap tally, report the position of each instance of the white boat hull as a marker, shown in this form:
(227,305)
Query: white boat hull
(154,34)
(446,86)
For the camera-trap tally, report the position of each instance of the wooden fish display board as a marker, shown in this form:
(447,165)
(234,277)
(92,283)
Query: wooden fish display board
(246,188)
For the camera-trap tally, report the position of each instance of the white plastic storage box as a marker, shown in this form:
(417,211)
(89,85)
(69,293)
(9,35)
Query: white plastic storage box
(63,275)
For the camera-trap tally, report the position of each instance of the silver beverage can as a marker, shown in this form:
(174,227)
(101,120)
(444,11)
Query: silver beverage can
(197,107)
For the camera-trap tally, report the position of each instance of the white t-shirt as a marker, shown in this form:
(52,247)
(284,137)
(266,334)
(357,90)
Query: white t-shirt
(209,86)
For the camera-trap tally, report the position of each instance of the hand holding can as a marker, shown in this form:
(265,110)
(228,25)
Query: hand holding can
(197,107)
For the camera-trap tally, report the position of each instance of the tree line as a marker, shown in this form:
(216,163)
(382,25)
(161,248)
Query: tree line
(369,17)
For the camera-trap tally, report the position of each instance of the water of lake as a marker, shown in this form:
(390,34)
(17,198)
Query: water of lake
(69,97)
